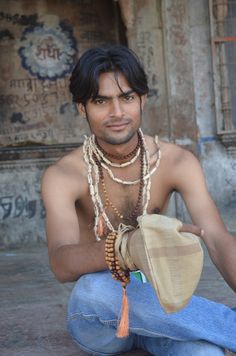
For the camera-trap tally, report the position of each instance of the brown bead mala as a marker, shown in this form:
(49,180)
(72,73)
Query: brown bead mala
(102,225)
(134,213)
(90,150)
(113,264)
(119,275)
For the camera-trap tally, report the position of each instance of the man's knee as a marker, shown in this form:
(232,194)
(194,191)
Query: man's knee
(196,348)
(97,338)
(97,294)
(208,349)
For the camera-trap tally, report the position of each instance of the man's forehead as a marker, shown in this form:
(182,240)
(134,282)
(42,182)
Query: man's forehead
(112,81)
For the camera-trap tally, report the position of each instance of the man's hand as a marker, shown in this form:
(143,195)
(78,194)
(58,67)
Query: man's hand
(193,229)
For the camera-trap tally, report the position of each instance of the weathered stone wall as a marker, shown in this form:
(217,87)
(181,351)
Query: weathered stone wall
(173,39)
(39,44)
(218,164)
(196,77)
(21,208)
(179,76)
(143,22)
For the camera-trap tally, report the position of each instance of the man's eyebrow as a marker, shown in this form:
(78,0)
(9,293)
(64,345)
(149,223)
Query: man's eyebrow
(126,93)
(99,97)
(123,94)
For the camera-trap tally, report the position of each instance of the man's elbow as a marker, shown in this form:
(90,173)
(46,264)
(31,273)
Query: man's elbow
(60,277)
(61,274)
(231,281)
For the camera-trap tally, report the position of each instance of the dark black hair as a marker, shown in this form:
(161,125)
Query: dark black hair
(98,60)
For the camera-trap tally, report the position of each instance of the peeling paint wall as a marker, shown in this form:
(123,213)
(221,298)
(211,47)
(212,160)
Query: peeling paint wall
(39,43)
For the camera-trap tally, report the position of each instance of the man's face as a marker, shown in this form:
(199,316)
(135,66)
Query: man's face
(114,116)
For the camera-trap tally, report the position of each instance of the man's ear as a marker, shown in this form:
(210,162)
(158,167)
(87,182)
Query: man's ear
(143,100)
(81,109)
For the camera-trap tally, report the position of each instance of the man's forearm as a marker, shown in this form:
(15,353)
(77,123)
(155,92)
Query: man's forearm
(69,262)
(223,252)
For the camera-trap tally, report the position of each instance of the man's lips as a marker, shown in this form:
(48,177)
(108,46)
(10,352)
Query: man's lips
(117,125)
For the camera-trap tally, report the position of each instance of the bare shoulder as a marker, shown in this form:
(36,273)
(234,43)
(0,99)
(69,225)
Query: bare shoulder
(178,167)
(69,174)
(178,156)
(182,168)
(171,154)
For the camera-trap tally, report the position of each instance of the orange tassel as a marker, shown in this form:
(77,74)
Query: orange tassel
(123,327)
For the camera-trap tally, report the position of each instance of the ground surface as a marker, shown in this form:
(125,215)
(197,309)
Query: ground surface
(33,305)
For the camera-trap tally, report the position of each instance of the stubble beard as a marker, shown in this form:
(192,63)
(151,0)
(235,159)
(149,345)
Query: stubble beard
(116,140)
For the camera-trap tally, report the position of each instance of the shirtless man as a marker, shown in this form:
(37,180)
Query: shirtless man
(109,87)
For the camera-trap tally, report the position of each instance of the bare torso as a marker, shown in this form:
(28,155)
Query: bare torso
(123,197)
(72,245)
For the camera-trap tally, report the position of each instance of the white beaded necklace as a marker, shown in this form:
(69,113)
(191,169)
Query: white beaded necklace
(89,150)
(101,156)
(133,182)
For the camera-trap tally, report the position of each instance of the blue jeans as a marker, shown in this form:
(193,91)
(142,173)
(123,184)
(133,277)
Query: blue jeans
(202,328)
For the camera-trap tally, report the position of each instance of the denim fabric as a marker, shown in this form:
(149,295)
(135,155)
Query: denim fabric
(202,328)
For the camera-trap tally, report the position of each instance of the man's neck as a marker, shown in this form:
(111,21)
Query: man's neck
(119,152)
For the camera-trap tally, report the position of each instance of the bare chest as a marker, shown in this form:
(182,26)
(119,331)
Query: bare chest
(122,203)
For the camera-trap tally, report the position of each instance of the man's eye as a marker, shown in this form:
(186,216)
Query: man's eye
(129,98)
(99,101)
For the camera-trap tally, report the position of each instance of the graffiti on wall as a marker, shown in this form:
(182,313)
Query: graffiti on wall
(39,51)
(20,206)
(18,19)
(22,211)
(20,198)
(46,52)
(31,106)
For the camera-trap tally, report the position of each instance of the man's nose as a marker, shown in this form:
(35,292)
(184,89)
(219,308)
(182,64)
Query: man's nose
(116,108)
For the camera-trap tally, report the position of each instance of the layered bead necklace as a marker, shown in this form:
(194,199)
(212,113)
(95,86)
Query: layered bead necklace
(97,159)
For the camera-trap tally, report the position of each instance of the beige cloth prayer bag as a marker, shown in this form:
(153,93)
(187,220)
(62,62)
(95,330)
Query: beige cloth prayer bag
(172,261)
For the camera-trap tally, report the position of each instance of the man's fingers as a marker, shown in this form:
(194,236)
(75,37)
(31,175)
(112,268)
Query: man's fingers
(193,229)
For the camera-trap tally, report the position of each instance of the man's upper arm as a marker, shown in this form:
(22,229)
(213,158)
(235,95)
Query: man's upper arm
(220,243)
(58,194)
(190,183)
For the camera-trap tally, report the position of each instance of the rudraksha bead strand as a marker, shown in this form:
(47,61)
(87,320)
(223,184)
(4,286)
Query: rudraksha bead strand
(120,275)
(94,177)
(112,261)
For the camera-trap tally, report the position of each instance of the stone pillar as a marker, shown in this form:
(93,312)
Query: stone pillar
(179,69)
(142,19)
